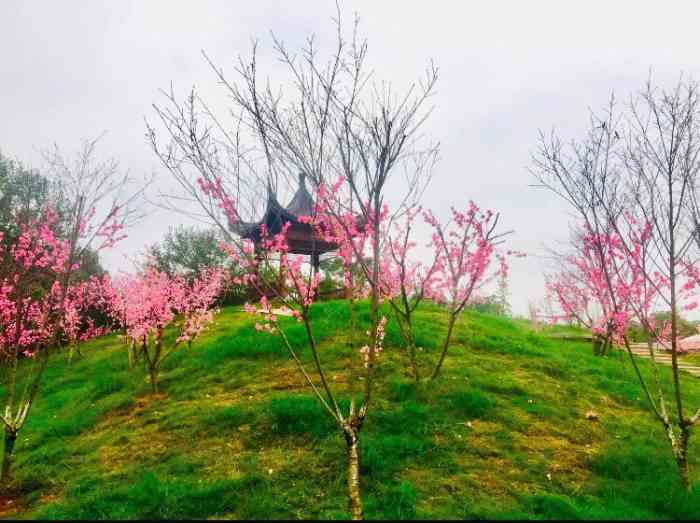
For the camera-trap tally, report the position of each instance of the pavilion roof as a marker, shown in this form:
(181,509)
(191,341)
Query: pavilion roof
(301,237)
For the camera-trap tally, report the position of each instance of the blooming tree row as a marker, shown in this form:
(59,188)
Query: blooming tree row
(76,323)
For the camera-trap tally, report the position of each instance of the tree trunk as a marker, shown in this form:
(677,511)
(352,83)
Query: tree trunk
(414,363)
(445,346)
(354,497)
(682,457)
(683,471)
(407,336)
(597,345)
(10,438)
(130,352)
(73,351)
(153,373)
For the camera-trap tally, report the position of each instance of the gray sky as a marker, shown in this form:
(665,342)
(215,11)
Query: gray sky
(71,70)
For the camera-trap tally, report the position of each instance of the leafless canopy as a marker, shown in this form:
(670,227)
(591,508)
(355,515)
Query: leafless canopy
(643,168)
(333,120)
(97,191)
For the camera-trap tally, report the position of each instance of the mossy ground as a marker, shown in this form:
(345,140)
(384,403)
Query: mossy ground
(235,433)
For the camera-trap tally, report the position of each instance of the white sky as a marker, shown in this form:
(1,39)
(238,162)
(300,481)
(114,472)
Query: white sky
(71,70)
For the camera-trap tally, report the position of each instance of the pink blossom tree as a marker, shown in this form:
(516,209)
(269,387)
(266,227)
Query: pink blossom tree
(28,317)
(75,323)
(336,127)
(581,288)
(150,302)
(406,282)
(466,248)
(43,260)
(462,252)
(641,168)
(353,236)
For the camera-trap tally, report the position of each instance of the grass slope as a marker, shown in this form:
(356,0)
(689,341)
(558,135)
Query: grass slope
(502,434)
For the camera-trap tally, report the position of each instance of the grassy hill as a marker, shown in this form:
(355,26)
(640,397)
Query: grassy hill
(235,433)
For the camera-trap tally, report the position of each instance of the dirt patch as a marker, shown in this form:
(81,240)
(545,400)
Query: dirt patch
(10,503)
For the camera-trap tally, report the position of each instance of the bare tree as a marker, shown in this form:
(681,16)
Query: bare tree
(335,123)
(642,169)
(101,195)
(663,163)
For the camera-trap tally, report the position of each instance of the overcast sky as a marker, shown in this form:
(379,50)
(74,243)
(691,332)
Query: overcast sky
(70,70)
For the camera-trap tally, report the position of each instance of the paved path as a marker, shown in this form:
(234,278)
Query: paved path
(664,358)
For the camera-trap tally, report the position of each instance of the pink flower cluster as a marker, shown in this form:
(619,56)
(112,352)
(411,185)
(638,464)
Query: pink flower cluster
(402,275)
(378,346)
(37,260)
(352,233)
(147,303)
(215,190)
(605,283)
(38,247)
(464,250)
(78,299)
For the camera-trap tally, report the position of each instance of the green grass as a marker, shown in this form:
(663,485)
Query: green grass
(236,433)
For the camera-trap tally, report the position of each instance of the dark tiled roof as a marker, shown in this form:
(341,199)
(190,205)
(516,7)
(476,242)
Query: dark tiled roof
(302,203)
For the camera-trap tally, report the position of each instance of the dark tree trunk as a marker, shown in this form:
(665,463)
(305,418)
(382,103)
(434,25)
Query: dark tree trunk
(446,345)
(153,373)
(10,438)
(598,345)
(354,497)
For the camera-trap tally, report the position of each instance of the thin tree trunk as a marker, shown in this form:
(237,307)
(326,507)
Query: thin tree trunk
(446,345)
(130,350)
(10,438)
(153,373)
(604,347)
(354,497)
(411,346)
(71,353)
(683,471)
(154,362)
(407,336)
(597,345)
(682,457)
(414,363)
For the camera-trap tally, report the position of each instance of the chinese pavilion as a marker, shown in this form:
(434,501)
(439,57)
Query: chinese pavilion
(301,238)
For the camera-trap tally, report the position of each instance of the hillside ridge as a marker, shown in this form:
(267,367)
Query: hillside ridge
(235,432)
